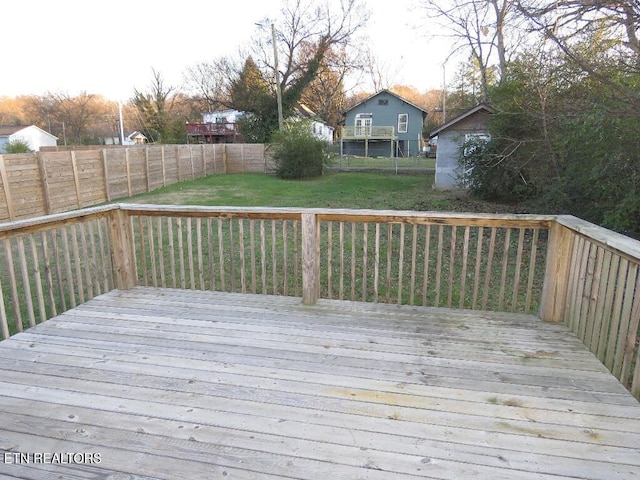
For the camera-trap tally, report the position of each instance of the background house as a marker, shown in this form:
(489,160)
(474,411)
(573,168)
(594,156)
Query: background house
(222,126)
(321,130)
(385,125)
(451,136)
(134,138)
(33,136)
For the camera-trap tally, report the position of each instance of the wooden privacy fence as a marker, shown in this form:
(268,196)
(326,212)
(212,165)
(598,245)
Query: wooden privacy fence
(49,182)
(562,268)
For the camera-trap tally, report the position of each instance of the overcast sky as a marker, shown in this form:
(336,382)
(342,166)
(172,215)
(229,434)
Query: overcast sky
(109,47)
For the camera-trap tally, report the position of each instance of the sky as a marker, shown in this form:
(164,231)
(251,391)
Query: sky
(110,47)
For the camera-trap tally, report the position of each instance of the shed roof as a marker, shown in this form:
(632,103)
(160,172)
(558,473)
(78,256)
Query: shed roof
(478,108)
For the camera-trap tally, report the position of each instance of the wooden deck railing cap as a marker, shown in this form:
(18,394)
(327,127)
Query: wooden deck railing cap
(19,226)
(336,211)
(617,241)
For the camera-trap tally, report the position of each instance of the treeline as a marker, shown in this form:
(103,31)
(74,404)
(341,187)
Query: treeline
(564,138)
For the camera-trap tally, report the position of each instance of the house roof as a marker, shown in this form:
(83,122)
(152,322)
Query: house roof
(136,134)
(303,111)
(478,108)
(8,130)
(390,93)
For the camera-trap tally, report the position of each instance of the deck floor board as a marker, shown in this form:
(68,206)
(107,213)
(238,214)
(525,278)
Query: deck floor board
(168,383)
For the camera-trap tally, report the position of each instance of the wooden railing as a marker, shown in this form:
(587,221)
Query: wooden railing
(51,264)
(368,132)
(560,267)
(593,286)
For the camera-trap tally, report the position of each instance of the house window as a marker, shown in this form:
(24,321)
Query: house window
(403,122)
(363,124)
(383,101)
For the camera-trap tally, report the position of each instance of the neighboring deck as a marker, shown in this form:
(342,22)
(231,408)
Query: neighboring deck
(180,384)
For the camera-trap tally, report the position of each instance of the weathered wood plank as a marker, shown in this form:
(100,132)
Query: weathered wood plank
(200,383)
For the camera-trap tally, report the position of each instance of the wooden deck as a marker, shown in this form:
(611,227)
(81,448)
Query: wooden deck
(175,384)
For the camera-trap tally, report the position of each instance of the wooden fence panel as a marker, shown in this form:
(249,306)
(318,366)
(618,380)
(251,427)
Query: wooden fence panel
(91,178)
(170,165)
(117,168)
(137,170)
(59,180)
(22,174)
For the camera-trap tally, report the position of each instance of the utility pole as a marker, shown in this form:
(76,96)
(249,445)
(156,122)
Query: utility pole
(121,124)
(444,93)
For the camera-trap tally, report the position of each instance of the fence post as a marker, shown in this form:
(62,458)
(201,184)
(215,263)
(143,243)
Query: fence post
(105,168)
(7,190)
(76,178)
(224,158)
(556,277)
(146,167)
(122,255)
(127,165)
(44,183)
(310,258)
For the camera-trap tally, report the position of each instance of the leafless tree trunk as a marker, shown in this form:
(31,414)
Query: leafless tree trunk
(476,26)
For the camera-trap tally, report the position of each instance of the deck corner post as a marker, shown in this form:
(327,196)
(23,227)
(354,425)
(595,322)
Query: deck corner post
(556,278)
(122,250)
(310,259)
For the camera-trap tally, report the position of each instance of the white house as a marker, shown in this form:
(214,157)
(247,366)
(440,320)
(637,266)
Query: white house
(320,129)
(213,123)
(134,138)
(222,116)
(33,136)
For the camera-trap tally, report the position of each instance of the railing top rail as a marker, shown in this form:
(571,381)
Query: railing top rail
(615,241)
(214,211)
(38,223)
(324,214)
(348,215)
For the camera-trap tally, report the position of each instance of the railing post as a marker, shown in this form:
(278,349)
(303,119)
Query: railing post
(556,277)
(122,256)
(310,258)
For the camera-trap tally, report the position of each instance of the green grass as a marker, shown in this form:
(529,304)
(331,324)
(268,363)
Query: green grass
(333,190)
(383,191)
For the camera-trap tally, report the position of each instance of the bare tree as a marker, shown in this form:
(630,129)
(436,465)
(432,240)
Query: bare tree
(209,82)
(478,27)
(71,118)
(311,38)
(591,33)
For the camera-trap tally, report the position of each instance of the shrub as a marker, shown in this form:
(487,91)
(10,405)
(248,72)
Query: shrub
(297,153)
(17,146)
(489,174)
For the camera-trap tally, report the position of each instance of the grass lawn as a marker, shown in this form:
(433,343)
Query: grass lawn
(333,190)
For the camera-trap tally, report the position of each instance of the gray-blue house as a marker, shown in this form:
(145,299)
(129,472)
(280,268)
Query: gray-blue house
(383,125)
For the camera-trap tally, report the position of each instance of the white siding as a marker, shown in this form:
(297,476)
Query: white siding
(32,136)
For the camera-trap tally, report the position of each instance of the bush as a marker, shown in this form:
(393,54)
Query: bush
(17,146)
(297,153)
(489,175)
